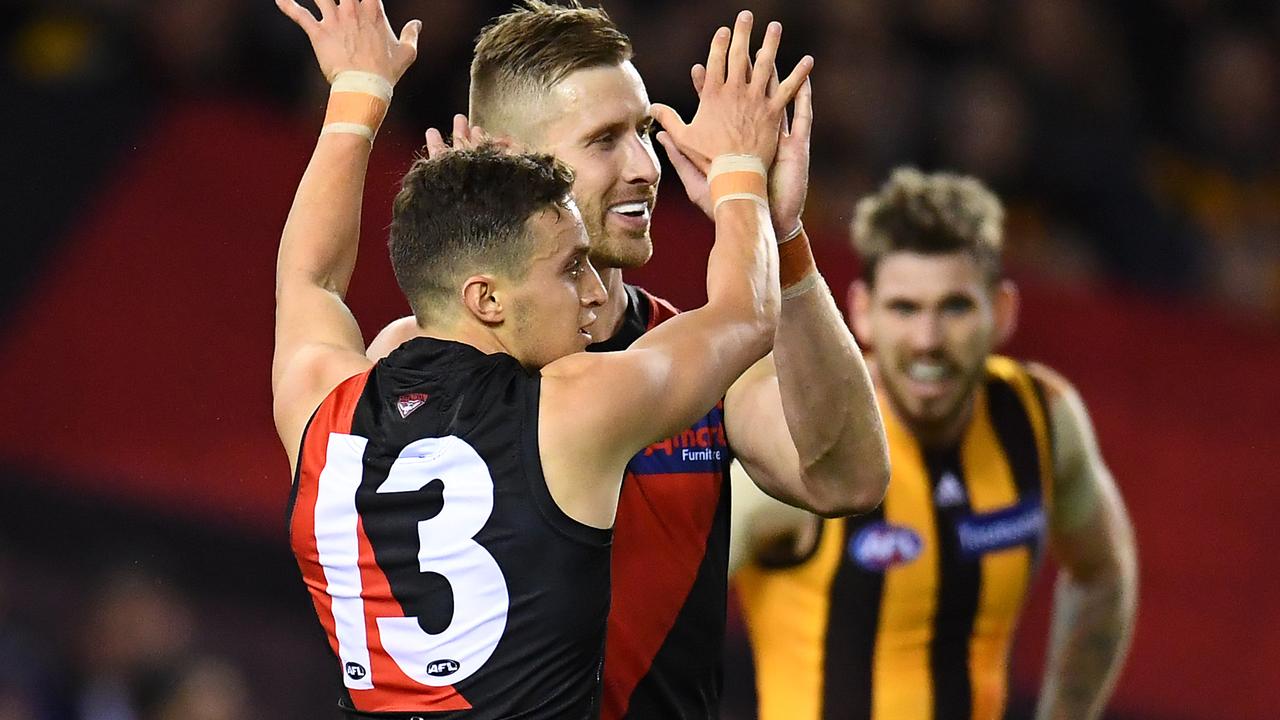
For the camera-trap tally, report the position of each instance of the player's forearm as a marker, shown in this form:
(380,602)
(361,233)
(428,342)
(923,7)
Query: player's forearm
(322,233)
(742,271)
(1092,626)
(830,406)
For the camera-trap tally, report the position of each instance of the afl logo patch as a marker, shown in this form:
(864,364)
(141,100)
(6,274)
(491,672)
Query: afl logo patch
(356,671)
(441,668)
(881,546)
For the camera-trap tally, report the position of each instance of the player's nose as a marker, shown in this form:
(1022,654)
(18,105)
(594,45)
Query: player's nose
(592,293)
(926,333)
(642,163)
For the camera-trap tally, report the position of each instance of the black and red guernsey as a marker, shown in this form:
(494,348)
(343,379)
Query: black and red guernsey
(449,582)
(670,561)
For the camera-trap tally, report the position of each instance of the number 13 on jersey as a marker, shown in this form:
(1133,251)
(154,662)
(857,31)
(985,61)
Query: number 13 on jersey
(446,546)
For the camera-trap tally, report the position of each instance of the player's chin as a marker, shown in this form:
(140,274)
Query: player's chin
(623,250)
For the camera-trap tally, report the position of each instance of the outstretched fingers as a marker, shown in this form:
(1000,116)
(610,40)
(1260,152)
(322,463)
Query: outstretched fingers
(763,73)
(739,70)
(788,88)
(802,124)
(669,119)
(716,57)
(327,8)
(301,16)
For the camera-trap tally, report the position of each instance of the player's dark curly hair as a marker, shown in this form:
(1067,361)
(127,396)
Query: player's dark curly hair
(930,214)
(466,212)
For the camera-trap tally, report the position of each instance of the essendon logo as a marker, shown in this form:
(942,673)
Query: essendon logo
(409,402)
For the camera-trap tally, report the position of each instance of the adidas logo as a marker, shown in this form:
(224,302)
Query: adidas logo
(950,492)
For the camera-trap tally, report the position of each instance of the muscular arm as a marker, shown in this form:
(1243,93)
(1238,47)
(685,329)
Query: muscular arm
(317,340)
(1095,599)
(804,423)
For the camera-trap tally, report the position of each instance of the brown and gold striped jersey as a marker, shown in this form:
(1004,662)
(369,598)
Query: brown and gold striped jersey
(907,613)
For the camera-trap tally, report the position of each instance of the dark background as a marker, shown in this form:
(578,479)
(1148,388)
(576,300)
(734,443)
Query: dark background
(150,155)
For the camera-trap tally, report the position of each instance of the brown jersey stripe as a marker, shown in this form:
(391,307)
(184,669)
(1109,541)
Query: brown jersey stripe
(941,624)
(1005,573)
(958,582)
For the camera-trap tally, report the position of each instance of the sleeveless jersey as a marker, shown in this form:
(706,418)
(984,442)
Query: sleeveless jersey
(670,562)
(907,613)
(449,582)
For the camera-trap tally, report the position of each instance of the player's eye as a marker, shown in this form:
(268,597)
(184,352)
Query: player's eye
(957,305)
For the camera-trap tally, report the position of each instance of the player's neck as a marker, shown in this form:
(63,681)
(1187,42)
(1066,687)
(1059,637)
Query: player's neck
(477,336)
(609,315)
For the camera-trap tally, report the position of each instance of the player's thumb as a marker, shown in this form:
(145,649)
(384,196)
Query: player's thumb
(668,118)
(409,37)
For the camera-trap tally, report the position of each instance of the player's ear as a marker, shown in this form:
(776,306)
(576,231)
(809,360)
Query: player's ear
(859,304)
(480,297)
(1005,305)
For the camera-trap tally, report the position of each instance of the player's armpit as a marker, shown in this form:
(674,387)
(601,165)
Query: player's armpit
(761,525)
(301,381)
(1082,481)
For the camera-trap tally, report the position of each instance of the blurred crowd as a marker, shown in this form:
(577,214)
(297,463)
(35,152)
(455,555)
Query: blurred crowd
(122,647)
(1132,141)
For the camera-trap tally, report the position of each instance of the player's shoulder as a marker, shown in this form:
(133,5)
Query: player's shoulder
(1050,382)
(1054,384)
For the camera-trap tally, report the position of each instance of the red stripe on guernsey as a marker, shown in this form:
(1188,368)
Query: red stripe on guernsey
(659,540)
(333,415)
(392,689)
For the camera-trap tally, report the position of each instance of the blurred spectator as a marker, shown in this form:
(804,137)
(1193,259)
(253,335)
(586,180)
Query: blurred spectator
(201,688)
(1225,174)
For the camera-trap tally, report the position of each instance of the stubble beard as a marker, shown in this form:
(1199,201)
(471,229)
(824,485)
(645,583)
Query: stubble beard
(934,426)
(617,250)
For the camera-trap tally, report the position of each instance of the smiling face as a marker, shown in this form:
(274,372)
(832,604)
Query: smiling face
(596,120)
(552,304)
(933,320)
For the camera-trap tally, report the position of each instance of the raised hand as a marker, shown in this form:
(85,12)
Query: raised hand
(789,175)
(736,112)
(356,35)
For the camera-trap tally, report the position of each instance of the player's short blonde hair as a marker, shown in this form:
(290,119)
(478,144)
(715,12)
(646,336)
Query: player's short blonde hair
(524,53)
(930,214)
